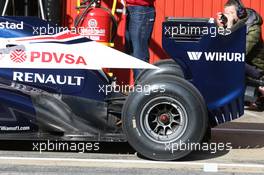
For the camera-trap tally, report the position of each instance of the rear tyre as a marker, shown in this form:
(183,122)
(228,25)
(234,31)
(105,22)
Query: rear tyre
(171,113)
(167,67)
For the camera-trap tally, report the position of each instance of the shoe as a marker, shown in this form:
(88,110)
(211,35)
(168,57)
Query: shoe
(252,107)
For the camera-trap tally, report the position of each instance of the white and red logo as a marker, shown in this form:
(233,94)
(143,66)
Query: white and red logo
(18,55)
(64,51)
(92,23)
(57,58)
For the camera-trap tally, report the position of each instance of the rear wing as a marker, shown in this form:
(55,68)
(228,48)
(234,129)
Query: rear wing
(212,58)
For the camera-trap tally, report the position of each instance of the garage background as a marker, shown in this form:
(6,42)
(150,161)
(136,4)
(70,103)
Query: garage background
(177,8)
(64,11)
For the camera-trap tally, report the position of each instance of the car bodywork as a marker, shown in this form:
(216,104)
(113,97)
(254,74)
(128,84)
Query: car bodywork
(34,105)
(63,95)
(221,81)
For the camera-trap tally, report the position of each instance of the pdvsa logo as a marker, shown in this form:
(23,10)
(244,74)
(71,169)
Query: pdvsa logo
(58,58)
(18,55)
(217,56)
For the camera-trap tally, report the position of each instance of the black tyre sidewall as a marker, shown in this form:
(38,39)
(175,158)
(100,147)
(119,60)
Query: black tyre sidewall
(168,67)
(183,92)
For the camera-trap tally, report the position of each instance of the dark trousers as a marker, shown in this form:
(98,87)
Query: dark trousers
(140,21)
(253,72)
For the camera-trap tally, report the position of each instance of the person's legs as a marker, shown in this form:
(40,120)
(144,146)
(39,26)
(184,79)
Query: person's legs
(261,90)
(139,29)
(252,71)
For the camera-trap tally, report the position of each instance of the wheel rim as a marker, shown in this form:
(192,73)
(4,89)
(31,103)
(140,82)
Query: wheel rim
(163,119)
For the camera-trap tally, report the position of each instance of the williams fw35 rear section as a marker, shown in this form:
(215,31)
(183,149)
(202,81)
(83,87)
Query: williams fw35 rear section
(54,87)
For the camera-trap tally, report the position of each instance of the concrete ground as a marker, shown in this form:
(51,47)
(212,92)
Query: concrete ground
(246,136)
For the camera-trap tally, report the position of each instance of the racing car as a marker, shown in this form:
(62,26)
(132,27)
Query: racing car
(54,87)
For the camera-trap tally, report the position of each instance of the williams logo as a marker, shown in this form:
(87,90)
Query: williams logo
(18,56)
(217,56)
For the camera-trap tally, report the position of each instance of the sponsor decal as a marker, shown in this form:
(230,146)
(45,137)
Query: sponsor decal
(65,51)
(18,55)
(14,128)
(53,57)
(14,26)
(47,79)
(194,55)
(217,56)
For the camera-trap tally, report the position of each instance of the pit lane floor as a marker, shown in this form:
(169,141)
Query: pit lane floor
(246,136)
